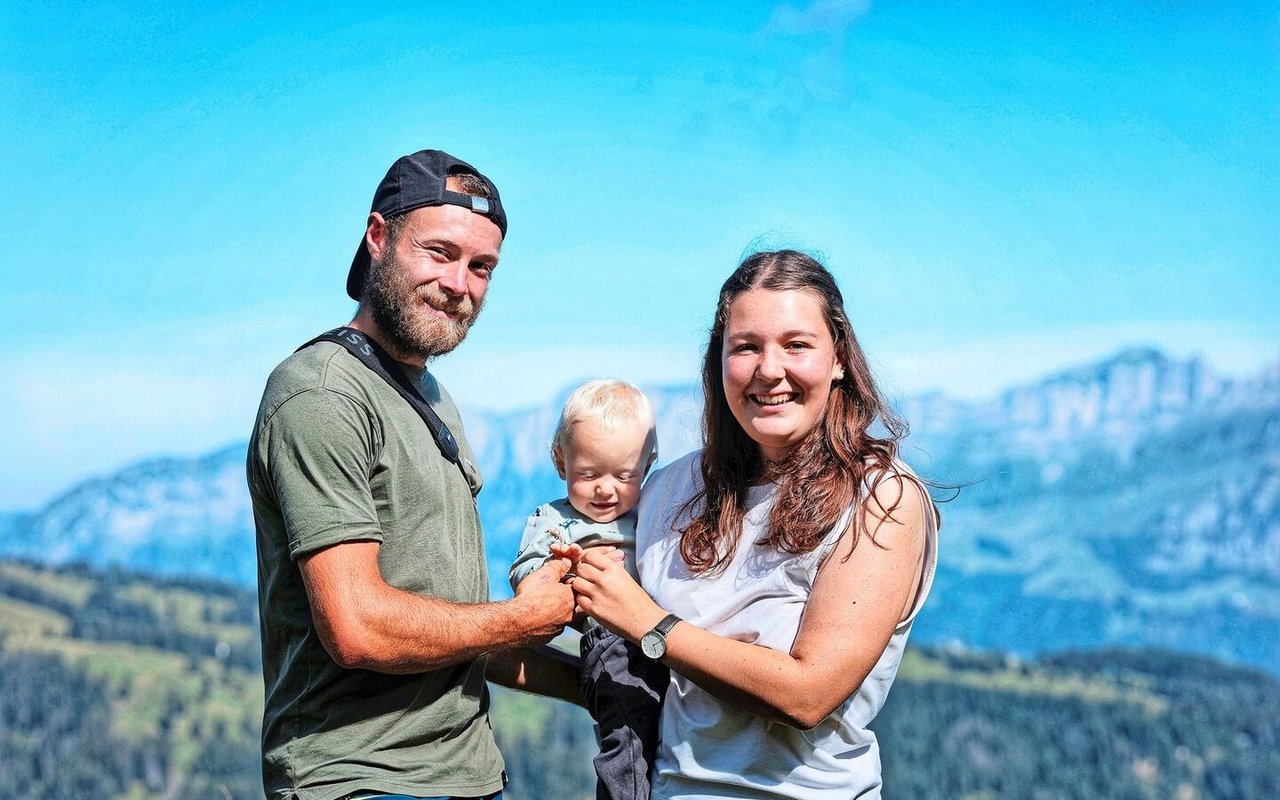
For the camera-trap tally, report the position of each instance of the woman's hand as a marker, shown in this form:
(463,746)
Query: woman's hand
(607,592)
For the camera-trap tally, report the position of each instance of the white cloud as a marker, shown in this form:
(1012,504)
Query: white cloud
(832,17)
(783,83)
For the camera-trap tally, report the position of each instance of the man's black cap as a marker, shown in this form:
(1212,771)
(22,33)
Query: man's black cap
(417,181)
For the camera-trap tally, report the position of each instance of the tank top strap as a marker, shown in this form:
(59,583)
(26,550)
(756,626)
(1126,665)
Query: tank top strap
(932,519)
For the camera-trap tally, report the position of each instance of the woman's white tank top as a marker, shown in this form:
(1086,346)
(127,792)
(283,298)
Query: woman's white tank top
(711,749)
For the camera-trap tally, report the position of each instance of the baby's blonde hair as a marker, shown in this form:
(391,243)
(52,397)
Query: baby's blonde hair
(608,401)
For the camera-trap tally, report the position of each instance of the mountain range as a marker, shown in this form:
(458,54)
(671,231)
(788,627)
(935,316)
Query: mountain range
(1132,501)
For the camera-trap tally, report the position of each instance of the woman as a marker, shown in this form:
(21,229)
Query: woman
(794,549)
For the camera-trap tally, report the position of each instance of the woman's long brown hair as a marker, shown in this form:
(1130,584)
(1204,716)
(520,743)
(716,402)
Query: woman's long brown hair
(823,474)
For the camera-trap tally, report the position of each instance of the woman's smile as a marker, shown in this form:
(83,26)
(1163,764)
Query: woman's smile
(774,399)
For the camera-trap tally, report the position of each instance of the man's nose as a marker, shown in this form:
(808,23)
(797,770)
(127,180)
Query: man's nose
(453,280)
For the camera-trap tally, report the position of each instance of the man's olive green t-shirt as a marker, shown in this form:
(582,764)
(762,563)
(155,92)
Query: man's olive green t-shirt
(337,455)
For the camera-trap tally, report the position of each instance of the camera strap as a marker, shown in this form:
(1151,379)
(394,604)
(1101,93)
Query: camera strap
(380,362)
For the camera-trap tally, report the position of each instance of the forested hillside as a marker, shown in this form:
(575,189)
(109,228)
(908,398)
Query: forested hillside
(115,685)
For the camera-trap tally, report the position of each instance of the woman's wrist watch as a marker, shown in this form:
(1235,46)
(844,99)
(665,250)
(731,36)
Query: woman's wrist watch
(654,643)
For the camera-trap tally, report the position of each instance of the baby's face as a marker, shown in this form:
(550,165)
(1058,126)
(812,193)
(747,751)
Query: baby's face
(603,467)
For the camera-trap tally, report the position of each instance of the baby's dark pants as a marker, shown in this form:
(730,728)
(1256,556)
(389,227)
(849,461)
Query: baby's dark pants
(623,691)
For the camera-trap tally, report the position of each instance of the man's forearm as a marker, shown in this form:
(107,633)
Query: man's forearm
(407,633)
(365,623)
(440,633)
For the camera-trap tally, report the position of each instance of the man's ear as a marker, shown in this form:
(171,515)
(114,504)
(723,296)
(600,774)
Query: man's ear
(375,236)
(557,455)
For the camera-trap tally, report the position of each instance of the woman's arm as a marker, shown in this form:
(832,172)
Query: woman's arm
(856,604)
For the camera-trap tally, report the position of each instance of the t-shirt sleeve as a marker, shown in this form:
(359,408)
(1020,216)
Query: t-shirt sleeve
(535,543)
(319,451)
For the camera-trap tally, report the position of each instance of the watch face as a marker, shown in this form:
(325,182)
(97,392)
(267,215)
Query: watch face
(653,645)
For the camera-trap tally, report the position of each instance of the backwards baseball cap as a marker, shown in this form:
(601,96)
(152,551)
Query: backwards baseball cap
(417,181)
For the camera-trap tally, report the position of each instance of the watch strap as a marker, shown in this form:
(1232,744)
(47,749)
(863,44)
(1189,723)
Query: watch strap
(668,622)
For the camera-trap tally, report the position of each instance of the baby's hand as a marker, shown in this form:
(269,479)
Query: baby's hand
(572,553)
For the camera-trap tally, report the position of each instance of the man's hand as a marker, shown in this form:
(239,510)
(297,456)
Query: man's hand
(546,603)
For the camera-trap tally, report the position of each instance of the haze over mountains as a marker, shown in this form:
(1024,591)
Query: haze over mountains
(1131,501)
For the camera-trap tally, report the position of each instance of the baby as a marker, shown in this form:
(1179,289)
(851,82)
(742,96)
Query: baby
(603,448)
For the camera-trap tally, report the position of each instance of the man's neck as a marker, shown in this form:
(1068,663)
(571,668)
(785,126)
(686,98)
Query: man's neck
(365,323)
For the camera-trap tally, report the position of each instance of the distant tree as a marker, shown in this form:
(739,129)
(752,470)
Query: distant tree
(55,732)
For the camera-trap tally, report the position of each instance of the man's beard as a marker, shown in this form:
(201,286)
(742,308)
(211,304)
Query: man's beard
(396,304)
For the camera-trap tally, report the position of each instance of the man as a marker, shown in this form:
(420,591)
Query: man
(372,586)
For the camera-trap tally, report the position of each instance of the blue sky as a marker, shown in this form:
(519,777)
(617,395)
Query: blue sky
(1001,188)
